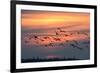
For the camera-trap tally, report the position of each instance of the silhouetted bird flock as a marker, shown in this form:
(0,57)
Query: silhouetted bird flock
(74,43)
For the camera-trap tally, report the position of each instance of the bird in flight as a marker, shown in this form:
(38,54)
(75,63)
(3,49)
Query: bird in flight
(35,37)
(57,39)
(57,33)
(61,30)
(75,46)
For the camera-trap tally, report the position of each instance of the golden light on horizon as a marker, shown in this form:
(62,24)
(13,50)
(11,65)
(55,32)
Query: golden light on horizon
(51,18)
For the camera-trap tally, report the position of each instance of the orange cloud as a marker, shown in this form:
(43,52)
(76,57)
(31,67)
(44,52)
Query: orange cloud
(53,19)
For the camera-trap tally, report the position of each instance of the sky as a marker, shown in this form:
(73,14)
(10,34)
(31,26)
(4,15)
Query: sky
(47,34)
(53,19)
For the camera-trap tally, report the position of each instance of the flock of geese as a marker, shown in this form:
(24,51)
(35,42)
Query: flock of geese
(74,43)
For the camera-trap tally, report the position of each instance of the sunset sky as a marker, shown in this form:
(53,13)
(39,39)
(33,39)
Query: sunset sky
(53,19)
(58,27)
